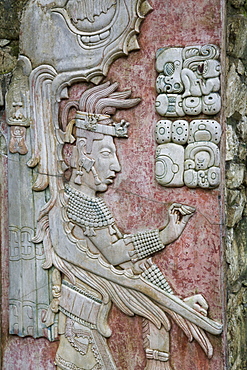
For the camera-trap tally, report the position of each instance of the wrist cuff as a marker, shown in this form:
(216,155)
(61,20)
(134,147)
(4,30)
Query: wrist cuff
(145,244)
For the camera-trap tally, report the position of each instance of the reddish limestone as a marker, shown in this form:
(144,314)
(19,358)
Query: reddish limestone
(193,263)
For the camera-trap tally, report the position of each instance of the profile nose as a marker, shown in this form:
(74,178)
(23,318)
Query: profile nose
(115,165)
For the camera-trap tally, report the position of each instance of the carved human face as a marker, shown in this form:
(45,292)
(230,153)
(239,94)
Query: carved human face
(202,160)
(106,162)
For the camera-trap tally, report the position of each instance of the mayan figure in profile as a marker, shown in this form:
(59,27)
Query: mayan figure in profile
(95,264)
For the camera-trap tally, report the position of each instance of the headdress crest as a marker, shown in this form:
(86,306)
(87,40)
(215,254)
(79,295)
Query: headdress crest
(94,110)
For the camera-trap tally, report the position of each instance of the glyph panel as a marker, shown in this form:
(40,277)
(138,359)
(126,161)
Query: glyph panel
(180,132)
(170,164)
(163,131)
(189,81)
(187,153)
(201,166)
(204,130)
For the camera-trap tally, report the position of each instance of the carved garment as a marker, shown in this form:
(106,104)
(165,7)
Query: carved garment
(82,348)
(89,261)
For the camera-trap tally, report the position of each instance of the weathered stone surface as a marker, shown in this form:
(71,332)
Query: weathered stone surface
(236,93)
(242,151)
(4,42)
(236,257)
(237,41)
(235,205)
(240,68)
(237,329)
(231,143)
(7,60)
(236,212)
(240,240)
(237,3)
(234,175)
(242,128)
(10,11)
(236,253)
(4,83)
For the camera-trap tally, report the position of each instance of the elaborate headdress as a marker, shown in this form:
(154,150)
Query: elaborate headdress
(94,110)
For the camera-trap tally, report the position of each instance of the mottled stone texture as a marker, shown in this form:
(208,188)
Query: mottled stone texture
(35,354)
(10,13)
(192,264)
(42,351)
(236,215)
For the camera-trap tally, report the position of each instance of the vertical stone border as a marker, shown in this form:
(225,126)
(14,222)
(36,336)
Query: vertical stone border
(236,183)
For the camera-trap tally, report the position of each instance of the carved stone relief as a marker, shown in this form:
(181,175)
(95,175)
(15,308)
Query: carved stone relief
(28,296)
(82,39)
(202,165)
(17,100)
(18,106)
(94,275)
(82,36)
(80,240)
(188,82)
(17,142)
(187,153)
(27,305)
(90,262)
(170,164)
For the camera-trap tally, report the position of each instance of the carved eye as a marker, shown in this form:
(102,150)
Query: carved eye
(169,69)
(105,153)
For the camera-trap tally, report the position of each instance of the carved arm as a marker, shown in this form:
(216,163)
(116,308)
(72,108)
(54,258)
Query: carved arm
(148,242)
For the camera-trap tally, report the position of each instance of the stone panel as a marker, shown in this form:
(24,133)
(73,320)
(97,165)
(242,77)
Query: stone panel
(150,217)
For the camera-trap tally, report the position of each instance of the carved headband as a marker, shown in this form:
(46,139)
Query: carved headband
(89,121)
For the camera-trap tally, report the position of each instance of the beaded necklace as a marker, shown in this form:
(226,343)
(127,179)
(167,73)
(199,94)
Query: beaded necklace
(90,213)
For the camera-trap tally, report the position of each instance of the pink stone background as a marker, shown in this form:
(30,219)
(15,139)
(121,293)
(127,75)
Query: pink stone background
(193,264)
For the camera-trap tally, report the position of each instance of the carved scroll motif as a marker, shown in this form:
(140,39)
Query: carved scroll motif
(189,81)
(187,153)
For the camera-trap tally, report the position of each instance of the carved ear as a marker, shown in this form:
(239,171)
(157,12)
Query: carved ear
(81,146)
(83,160)
(78,152)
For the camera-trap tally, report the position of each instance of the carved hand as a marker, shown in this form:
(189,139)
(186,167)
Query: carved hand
(198,303)
(179,215)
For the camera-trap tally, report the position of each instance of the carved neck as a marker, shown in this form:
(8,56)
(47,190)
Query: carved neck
(84,187)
